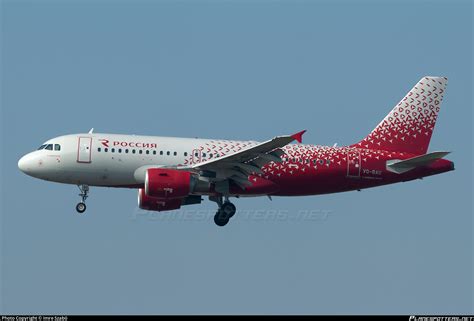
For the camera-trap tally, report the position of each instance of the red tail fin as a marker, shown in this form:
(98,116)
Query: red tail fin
(408,127)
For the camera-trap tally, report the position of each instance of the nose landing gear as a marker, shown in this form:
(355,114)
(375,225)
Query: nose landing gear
(225,212)
(81,206)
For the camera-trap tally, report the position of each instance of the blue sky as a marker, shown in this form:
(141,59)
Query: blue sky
(237,70)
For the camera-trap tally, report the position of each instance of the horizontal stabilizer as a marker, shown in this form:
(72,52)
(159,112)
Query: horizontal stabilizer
(402,166)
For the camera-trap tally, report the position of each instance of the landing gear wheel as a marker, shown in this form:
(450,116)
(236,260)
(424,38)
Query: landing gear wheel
(228,209)
(81,207)
(221,218)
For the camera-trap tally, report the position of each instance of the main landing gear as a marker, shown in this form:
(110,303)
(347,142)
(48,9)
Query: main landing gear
(225,212)
(81,206)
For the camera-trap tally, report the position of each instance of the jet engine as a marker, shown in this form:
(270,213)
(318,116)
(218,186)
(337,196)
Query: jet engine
(168,184)
(150,203)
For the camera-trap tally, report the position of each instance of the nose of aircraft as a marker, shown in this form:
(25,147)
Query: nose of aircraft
(25,164)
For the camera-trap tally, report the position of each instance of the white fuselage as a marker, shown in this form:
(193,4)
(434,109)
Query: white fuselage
(118,160)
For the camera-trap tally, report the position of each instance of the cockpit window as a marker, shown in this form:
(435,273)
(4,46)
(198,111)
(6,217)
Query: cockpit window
(56,147)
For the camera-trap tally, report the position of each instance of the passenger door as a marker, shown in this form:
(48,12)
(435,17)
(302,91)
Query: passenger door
(353,163)
(84,150)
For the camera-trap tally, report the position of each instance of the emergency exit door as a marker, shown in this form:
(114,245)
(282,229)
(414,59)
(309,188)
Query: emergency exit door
(84,149)
(196,156)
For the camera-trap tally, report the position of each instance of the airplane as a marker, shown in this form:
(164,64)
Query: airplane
(172,172)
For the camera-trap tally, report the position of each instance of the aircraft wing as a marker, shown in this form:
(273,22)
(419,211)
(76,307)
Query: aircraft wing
(239,165)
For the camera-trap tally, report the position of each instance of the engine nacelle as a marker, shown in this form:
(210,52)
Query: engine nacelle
(150,203)
(168,184)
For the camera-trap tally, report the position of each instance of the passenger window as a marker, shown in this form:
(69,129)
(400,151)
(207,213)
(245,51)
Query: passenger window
(57,147)
(210,155)
(321,162)
(147,152)
(49,147)
(175,153)
(106,150)
(168,153)
(119,150)
(133,151)
(154,152)
(328,162)
(315,161)
(113,150)
(98,149)
(196,154)
(126,151)
(203,154)
(185,154)
(140,151)
(161,152)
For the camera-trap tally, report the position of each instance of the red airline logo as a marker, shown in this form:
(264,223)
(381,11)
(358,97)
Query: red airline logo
(104,142)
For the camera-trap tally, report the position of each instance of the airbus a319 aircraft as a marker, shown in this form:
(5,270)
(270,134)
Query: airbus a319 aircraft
(174,172)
